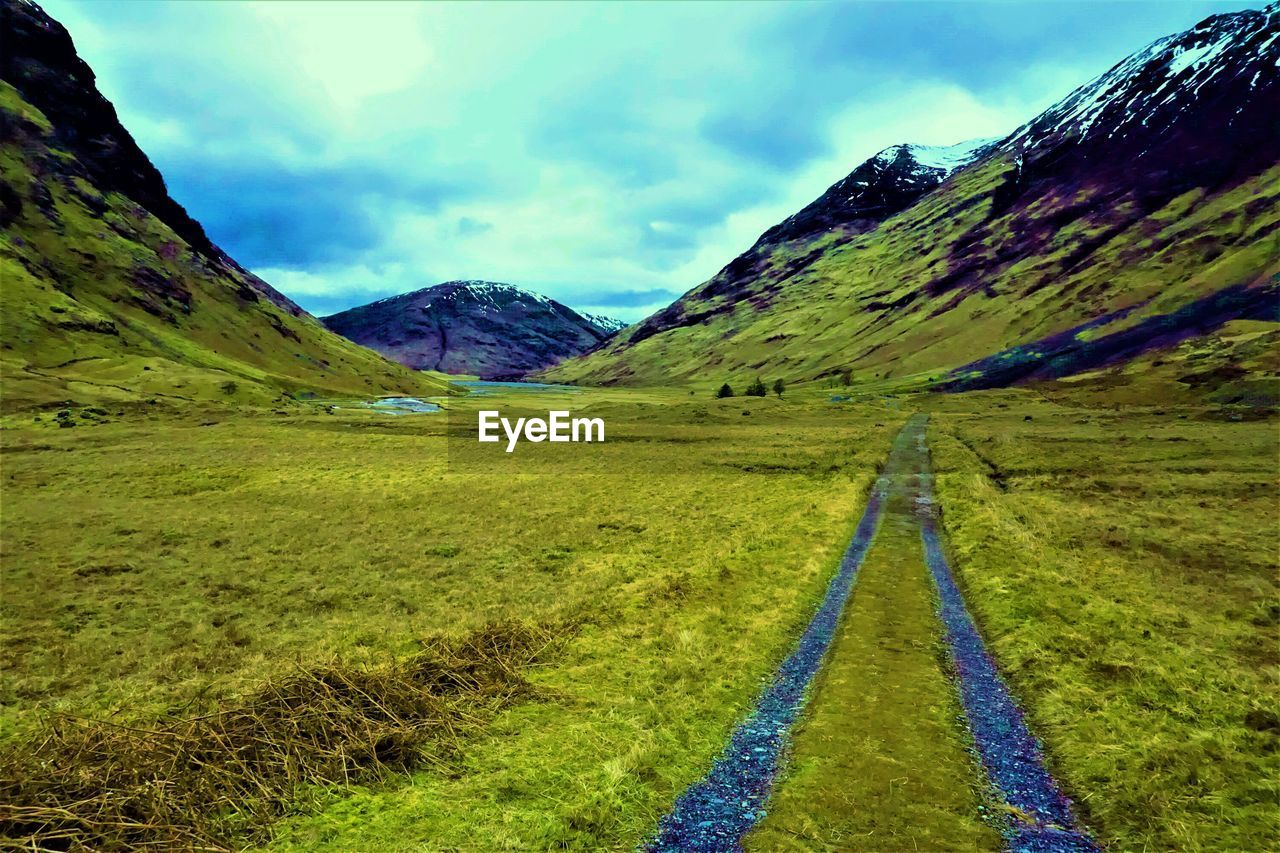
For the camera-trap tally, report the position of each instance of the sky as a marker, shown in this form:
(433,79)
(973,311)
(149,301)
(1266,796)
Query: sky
(611,156)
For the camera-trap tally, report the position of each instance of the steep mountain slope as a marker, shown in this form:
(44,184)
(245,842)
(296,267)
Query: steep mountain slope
(473,327)
(41,61)
(112,292)
(891,181)
(1149,188)
(888,183)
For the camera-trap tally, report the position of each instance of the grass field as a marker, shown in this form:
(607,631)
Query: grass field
(1124,567)
(158,563)
(1121,565)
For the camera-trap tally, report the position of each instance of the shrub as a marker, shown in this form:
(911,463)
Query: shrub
(725,391)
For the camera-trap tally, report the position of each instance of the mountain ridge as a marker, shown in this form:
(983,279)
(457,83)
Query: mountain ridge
(491,329)
(886,183)
(41,62)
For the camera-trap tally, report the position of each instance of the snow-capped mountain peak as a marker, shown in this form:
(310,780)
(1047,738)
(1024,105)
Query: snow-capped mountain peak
(1170,76)
(493,294)
(887,182)
(937,158)
(608,325)
(487,328)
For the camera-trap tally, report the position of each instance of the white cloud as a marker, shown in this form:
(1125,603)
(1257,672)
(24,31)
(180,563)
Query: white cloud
(566,234)
(350,54)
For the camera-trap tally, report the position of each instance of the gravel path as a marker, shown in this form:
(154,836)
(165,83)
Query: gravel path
(1041,815)
(715,813)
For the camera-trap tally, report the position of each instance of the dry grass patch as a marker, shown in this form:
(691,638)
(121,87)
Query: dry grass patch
(207,781)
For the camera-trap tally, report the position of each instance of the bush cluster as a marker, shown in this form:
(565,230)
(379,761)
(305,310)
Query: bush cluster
(755,389)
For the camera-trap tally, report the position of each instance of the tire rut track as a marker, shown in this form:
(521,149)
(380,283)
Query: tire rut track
(717,812)
(1041,817)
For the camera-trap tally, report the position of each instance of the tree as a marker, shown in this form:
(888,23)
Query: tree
(778,387)
(846,378)
(757,389)
(725,391)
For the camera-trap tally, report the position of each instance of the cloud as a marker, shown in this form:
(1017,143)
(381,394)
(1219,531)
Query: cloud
(759,136)
(351,55)
(611,156)
(632,298)
(468,227)
(281,214)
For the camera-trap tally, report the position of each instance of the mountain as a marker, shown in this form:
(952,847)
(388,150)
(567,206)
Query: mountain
(483,328)
(608,325)
(891,181)
(1144,205)
(112,291)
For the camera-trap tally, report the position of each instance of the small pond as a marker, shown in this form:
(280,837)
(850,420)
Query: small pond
(394,406)
(404,406)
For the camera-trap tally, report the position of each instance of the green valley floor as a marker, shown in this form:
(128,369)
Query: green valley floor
(580,627)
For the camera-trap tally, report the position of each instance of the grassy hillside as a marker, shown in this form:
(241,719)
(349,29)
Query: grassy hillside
(955,278)
(1141,210)
(103,303)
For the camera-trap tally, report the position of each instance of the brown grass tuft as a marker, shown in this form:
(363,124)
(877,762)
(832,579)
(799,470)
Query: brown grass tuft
(200,782)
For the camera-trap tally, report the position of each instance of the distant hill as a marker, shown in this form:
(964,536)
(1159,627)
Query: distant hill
(111,290)
(484,328)
(1140,210)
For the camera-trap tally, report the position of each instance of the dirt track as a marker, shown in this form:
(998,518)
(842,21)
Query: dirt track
(1028,809)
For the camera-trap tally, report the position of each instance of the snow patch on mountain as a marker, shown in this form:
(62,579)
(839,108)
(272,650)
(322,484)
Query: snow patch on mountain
(949,158)
(608,325)
(932,159)
(491,291)
(1153,84)
(923,164)
(1186,57)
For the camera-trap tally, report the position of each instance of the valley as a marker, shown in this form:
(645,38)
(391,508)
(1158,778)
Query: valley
(941,518)
(361,550)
